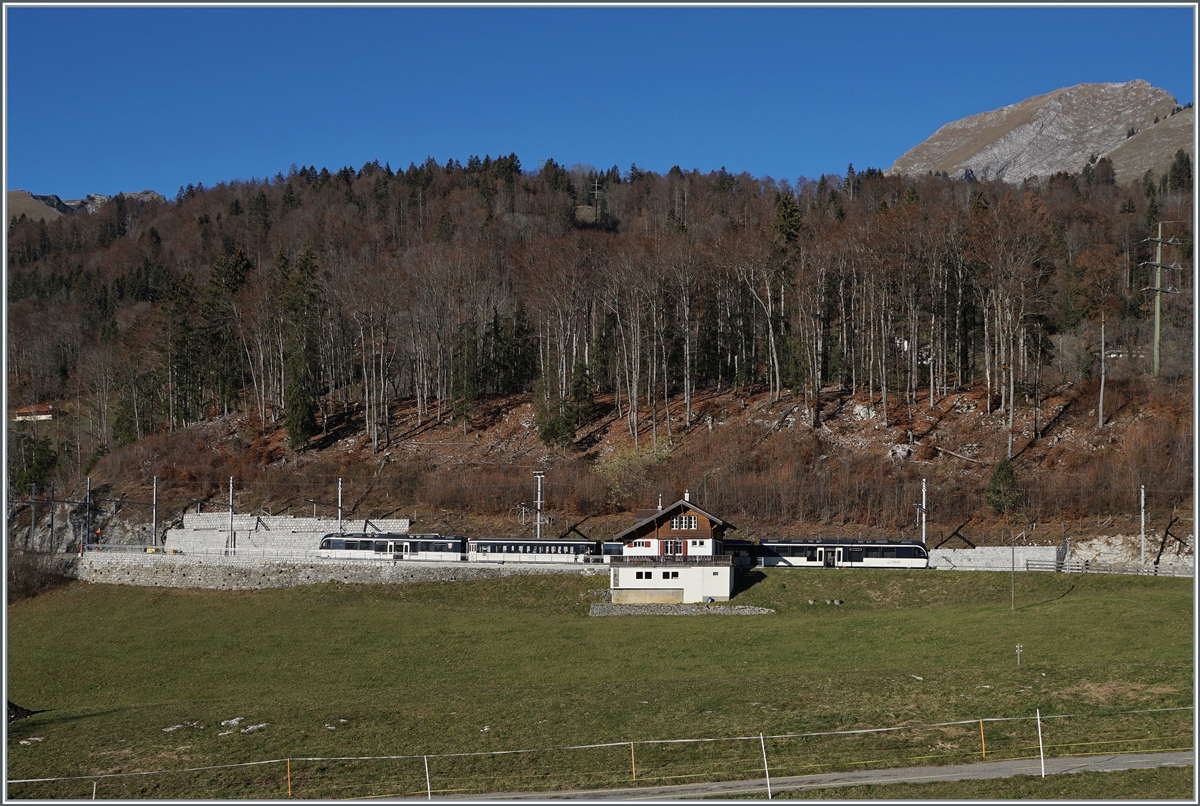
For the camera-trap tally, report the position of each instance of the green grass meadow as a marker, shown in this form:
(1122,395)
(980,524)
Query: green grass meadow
(348,674)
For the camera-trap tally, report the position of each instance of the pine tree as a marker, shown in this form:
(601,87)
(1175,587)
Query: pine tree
(1001,492)
(300,349)
(1179,177)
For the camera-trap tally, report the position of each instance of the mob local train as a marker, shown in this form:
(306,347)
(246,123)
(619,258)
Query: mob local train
(831,553)
(817,553)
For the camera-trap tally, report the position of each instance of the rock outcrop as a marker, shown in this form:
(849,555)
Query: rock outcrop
(1061,131)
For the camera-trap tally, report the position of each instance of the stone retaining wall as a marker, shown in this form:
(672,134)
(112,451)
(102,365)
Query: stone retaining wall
(206,531)
(993,558)
(237,573)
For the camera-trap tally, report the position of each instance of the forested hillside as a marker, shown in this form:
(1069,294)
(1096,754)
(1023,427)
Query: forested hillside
(318,298)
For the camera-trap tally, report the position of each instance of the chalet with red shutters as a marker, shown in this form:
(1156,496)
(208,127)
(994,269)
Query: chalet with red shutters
(672,555)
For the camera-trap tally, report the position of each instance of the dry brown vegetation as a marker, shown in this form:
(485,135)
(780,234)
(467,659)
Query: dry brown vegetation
(769,476)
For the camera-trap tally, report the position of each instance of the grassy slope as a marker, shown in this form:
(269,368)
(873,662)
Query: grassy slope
(425,668)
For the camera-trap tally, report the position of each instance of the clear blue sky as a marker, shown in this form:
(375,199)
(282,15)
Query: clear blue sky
(110,99)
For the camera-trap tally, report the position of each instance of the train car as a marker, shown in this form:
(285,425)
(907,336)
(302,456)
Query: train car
(503,549)
(386,546)
(840,553)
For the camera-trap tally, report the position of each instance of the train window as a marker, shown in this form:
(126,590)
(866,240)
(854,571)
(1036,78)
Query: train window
(351,545)
(873,551)
(810,555)
(856,555)
(889,551)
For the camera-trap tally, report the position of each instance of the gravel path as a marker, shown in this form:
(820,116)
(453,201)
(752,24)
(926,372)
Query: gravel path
(757,788)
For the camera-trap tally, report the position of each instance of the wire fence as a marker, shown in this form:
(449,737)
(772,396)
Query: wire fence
(645,762)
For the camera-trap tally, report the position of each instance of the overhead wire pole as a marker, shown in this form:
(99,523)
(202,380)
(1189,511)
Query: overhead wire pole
(538,475)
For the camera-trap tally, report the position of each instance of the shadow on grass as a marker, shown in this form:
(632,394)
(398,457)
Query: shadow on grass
(1048,601)
(744,580)
(46,717)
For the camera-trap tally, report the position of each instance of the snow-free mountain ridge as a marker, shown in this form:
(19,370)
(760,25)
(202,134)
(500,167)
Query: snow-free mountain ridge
(1138,126)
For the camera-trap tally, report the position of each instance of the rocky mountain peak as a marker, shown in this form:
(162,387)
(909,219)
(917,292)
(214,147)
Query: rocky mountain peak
(1059,131)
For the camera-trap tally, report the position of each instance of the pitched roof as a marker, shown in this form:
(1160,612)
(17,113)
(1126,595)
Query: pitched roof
(669,512)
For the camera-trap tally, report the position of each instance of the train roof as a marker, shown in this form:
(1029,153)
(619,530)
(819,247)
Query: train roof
(391,536)
(843,541)
(533,540)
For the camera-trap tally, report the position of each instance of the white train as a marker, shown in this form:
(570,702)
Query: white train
(442,548)
(816,553)
(387,546)
(838,553)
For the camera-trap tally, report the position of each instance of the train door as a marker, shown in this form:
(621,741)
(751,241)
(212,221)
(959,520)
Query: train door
(831,560)
(404,550)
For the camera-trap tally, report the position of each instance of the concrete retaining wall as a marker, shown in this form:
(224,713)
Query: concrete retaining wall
(237,573)
(207,531)
(993,558)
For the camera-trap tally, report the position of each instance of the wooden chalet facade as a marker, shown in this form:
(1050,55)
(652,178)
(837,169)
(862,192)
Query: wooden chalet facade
(682,529)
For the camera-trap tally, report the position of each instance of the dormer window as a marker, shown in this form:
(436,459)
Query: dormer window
(681,523)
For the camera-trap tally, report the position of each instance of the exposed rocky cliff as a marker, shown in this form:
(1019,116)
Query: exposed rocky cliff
(51,206)
(1137,126)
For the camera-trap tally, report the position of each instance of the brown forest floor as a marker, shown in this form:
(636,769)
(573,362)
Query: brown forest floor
(471,480)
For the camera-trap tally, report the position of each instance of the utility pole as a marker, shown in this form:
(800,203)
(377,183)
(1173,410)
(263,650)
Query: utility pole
(154,515)
(1143,528)
(232,538)
(922,511)
(596,200)
(538,475)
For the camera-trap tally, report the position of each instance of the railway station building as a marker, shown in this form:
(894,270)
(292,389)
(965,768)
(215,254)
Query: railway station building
(672,556)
